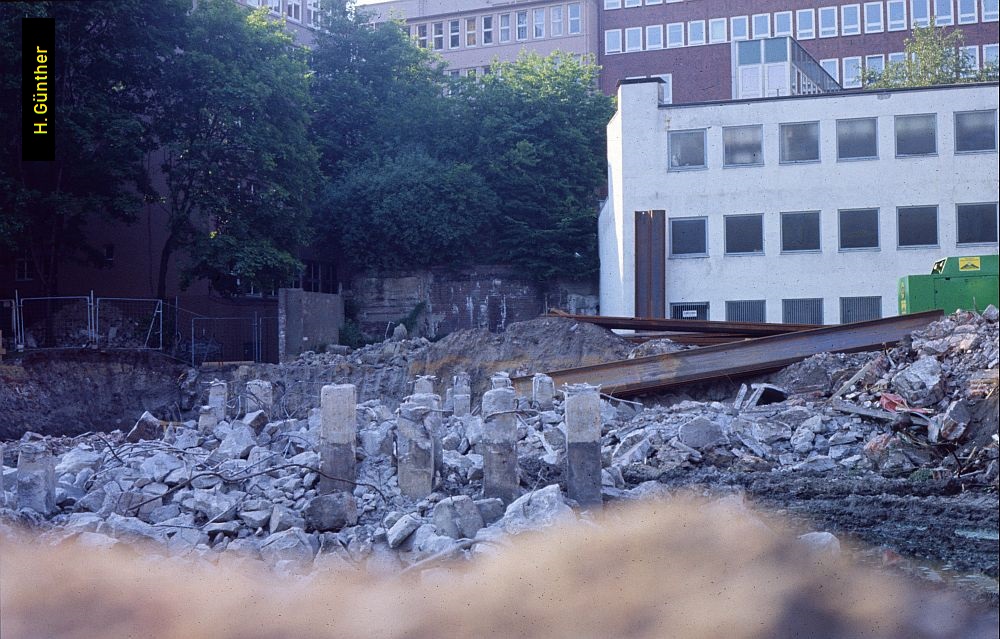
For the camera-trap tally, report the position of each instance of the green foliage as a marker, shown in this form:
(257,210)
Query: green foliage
(933,56)
(105,71)
(239,165)
(352,335)
(410,319)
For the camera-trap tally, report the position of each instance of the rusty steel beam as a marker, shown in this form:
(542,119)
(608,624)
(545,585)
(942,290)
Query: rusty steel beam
(628,377)
(755,329)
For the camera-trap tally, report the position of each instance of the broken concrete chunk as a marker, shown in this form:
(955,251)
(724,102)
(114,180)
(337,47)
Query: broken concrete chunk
(331,512)
(538,509)
(491,509)
(920,383)
(402,529)
(77,460)
(148,427)
(238,442)
(283,518)
(701,433)
(457,517)
(255,420)
(159,466)
(293,544)
(802,439)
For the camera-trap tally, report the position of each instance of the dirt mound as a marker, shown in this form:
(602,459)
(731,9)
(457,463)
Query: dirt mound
(534,346)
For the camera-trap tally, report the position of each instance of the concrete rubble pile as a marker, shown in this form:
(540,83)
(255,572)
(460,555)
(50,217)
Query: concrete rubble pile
(399,483)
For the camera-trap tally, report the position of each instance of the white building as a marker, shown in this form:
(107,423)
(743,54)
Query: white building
(801,208)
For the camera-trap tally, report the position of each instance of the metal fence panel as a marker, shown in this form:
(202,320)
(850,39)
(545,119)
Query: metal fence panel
(233,339)
(56,322)
(132,323)
(860,309)
(8,324)
(802,311)
(746,311)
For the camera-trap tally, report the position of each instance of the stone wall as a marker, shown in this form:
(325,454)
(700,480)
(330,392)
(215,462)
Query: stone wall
(307,321)
(488,297)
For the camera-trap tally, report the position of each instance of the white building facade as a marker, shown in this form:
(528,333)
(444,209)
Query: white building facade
(792,209)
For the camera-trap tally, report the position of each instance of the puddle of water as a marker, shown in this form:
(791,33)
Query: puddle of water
(936,572)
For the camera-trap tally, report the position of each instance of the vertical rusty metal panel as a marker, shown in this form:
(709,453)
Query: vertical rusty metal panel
(650,263)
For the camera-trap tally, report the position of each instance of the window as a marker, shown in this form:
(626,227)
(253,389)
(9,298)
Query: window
(521,23)
(828,22)
(688,237)
(633,3)
(916,135)
(943,13)
(746,311)
(696,32)
(800,231)
(875,63)
(850,19)
(556,21)
(852,72)
(313,14)
(487,29)
(438,36)
(471,31)
(991,54)
(675,34)
(897,57)
(454,40)
(860,309)
(742,145)
(762,25)
(633,39)
(575,18)
(805,24)
(650,2)
(916,226)
(744,234)
(971,55)
(689,310)
(857,139)
(739,28)
(896,10)
(799,142)
(802,311)
(832,67)
(858,229)
(24,270)
(687,149)
(873,17)
(977,223)
(654,36)
(783,23)
(991,10)
(422,36)
(920,12)
(613,41)
(975,131)
(293,9)
(717,30)
(504,27)
(966,11)
(612,4)
(538,23)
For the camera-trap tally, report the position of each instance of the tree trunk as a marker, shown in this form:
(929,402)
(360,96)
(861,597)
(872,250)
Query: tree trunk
(168,249)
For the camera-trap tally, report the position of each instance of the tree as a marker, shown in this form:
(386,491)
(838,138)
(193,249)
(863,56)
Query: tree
(933,56)
(106,67)
(240,168)
(538,126)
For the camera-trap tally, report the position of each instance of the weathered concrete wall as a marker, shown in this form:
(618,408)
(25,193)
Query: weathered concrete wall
(307,320)
(488,297)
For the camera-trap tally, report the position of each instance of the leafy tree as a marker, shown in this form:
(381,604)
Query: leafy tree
(106,66)
(933,56)
(538,126)
(240,168)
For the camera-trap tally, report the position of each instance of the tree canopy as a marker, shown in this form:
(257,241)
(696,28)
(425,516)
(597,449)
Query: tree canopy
(933,56)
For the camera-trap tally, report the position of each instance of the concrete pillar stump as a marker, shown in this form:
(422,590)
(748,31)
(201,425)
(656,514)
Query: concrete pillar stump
(36,479)
(260,396)
(461,395)
(499,444)
(543,391)
(414,451)
(338,434)
(583,439)
(218,395)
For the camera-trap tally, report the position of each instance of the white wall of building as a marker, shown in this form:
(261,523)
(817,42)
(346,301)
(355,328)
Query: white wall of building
(640,180)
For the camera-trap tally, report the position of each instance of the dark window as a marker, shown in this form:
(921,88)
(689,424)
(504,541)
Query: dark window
(800,142)
(859,229)
(742,145)
(800,231)
(744,234)
(977,223)
(749,52)
(693,310)
(917,225)
(857,139)
(860,309)
(687,149)
(802,311)
(975,131)
(687,237)
(746,311)
(916,134)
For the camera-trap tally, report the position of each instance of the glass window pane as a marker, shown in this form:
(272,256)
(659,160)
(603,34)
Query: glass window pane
(800,231)
(775,50)
(687,237)
(857,139)
(916,134)
(745,234)
(975,131)
(859,229)
(742,145)
(917,225)
(687,149)
(800,142)
(749,52)
(977,223)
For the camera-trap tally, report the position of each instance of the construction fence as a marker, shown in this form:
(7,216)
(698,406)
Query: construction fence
(118,323)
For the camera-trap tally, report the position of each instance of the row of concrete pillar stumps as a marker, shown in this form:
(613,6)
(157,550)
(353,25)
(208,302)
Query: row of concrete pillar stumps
(419,431)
